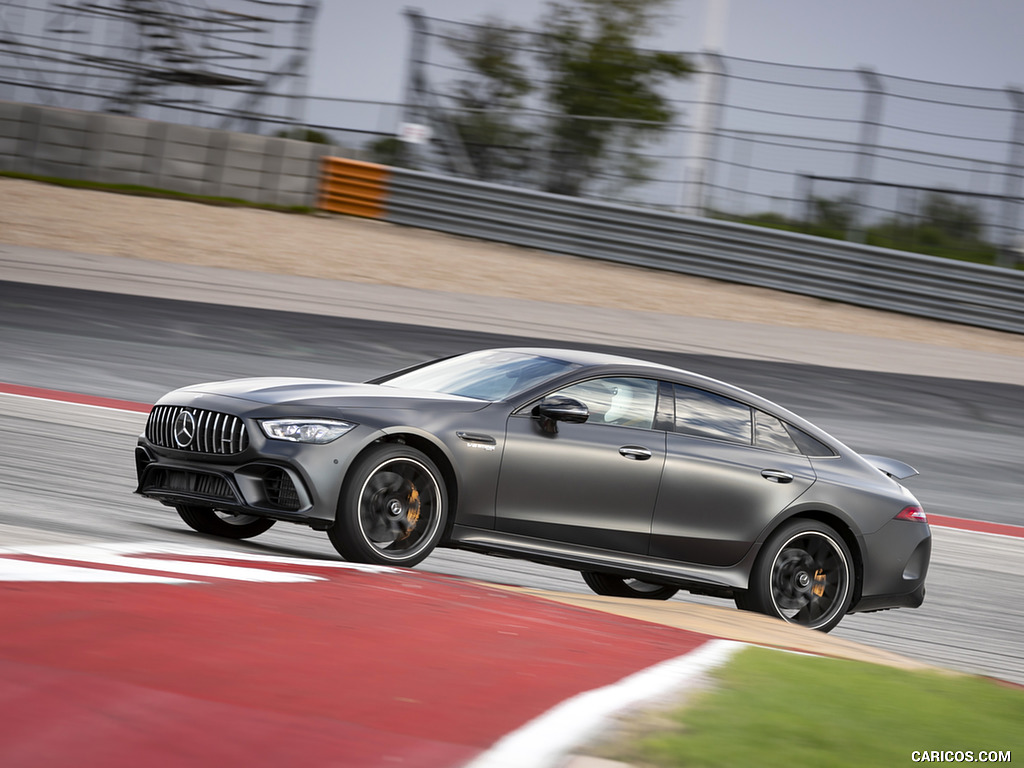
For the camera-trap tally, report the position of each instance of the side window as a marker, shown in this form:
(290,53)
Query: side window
(770,433)
(809,446)
(704,414)
(623,402)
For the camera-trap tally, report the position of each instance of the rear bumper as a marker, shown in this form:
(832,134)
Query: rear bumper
(885,602)
(896,559)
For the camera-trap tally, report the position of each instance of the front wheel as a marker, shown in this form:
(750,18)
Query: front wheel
(224,524)
(616,586)
(392,509)
(803,575)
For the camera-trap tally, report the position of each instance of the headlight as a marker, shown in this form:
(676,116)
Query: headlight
(317,431)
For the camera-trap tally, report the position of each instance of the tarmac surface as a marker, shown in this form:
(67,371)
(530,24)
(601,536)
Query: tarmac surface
(993,356)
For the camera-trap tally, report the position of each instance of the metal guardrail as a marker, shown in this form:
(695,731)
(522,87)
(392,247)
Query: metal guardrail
(928,286)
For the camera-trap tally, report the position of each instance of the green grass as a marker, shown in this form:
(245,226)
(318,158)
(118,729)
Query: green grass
(768,708)
(135,189)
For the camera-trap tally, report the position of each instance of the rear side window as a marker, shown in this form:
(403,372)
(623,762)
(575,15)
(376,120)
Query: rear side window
(771,434)
(703,414)
(809,446)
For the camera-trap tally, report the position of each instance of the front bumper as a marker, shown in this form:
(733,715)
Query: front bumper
(271,478)
(265,490)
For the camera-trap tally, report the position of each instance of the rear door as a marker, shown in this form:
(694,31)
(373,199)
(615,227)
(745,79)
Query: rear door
(729,470)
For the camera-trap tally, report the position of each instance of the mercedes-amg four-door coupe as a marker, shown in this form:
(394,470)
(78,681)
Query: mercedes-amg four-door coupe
(645,478)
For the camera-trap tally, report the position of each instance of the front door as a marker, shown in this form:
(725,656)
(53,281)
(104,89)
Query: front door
(593,484)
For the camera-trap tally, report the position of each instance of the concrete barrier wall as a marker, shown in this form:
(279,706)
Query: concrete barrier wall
(113,149)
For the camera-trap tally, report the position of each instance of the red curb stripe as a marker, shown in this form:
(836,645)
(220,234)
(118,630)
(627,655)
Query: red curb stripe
(941,521)
(432,664)
(979,526)
(73,397)
(66,717)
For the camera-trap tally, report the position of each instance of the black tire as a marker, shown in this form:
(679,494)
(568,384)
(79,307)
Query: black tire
(392,509)
(804,575)
(617,586)
(223,524)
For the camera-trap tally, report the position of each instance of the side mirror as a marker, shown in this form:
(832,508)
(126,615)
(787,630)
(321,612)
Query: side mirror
(556,408)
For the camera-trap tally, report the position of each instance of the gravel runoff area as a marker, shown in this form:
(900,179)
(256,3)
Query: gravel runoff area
(367,251)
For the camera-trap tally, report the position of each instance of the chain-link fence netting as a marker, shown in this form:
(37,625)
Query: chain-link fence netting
(851,154)
(844,153)
(240,64)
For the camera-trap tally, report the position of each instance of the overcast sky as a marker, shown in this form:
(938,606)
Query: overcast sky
(360,45)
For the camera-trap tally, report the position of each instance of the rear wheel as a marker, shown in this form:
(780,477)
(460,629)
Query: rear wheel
(617,586)
(804,575)
(392,508)
(224,524)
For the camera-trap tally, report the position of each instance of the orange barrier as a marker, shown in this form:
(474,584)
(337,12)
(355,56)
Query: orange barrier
(353,187)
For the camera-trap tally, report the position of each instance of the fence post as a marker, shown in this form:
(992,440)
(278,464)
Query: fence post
(1012,239)
(308,13)
(868,143)
(420,100)
(805,197)
(702,143)
(415,80)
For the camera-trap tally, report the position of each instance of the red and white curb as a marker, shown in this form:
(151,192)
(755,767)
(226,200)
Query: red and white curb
(141,562)
(546,740)
(132,648)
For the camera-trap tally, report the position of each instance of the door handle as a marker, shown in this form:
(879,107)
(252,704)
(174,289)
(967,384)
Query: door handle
(776,476)
(635,452)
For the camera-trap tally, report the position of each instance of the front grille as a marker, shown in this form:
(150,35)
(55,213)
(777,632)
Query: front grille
(196,430)
(199,483)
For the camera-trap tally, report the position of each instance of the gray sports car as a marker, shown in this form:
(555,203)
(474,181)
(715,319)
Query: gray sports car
(645,478)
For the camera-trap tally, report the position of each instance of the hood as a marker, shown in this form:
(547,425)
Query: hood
(321,392)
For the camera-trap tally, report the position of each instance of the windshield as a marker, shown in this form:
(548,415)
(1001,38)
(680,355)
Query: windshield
(487,375)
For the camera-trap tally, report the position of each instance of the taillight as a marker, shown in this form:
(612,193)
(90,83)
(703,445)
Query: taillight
(913,514)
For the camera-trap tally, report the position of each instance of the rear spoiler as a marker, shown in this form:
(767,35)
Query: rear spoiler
(894,469)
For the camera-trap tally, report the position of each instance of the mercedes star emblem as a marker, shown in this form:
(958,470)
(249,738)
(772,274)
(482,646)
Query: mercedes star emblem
(184,429)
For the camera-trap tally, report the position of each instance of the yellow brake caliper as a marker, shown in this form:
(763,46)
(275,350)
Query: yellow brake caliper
(412,511)
(819,583)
